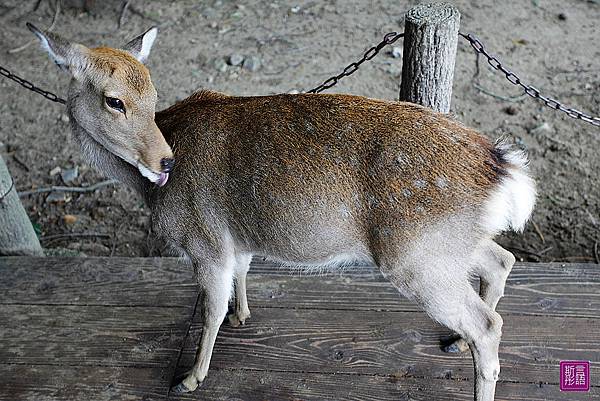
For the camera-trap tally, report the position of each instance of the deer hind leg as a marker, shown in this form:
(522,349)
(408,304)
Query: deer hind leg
(493,265)
(482,329)
(441,286)
(241,312)
(216,283)
(494,268)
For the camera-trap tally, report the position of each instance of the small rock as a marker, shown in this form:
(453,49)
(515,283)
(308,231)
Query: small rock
(69,219)
(56,197)
(237,15)
(251,63)
(69,175)
(236,59)
(395,70)
(542,128)
(74,246)
(210,13)
(294,92)
(295,9)
(511,110)
(220,65)
(143,221)
(201,59)
(98,213)
(396,52)
(55,170)
(64,118)
(562,16)
(95,249)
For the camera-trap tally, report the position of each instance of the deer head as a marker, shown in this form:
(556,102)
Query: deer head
(112,100)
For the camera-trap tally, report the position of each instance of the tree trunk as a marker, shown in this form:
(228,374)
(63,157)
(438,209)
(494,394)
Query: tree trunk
(16,232)
(430,41)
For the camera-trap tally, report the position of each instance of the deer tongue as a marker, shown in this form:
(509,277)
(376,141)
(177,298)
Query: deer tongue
(162,180)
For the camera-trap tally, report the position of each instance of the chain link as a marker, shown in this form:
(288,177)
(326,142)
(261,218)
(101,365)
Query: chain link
(529,89)
(26,84)
(479,49)
(350,69)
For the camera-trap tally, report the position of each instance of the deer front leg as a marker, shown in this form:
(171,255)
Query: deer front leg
(241,312)
(216,283)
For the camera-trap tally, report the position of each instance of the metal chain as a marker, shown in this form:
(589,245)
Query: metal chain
(529,89)
(26,84)
(350,69)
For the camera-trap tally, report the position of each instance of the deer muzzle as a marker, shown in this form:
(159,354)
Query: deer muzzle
(156,161)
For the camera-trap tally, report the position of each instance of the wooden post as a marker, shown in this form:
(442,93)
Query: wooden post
(16,232)
(430,41)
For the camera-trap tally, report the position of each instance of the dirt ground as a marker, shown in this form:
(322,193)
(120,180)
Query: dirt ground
(552,44)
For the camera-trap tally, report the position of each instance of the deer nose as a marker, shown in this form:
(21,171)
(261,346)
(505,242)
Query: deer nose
(167,164)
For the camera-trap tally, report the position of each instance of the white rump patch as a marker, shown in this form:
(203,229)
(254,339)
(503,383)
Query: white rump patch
(512,202)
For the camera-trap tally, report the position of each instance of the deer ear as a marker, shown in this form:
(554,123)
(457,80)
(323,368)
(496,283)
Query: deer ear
(68,56)
(140,47)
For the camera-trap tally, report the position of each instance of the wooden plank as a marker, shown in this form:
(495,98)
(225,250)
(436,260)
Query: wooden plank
(390,343)
(318,332)
(533,289)
(96,281)
(112,329)
(570,290)
(49,383)
(92,335)
(248,385)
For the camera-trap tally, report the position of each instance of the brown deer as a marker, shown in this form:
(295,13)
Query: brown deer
(309,180)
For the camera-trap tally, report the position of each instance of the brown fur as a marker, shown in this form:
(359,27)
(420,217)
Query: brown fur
(123,67)
(374,157)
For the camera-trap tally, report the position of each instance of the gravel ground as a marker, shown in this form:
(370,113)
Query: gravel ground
(284,46)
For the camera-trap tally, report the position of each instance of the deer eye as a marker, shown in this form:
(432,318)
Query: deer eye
(116,104)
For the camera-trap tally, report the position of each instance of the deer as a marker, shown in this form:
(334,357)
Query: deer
(307,180)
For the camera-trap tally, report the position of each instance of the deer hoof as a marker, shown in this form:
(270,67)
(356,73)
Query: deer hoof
(234,320)
(182,387)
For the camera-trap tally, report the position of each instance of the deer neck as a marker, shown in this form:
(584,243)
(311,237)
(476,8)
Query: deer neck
(107,163)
